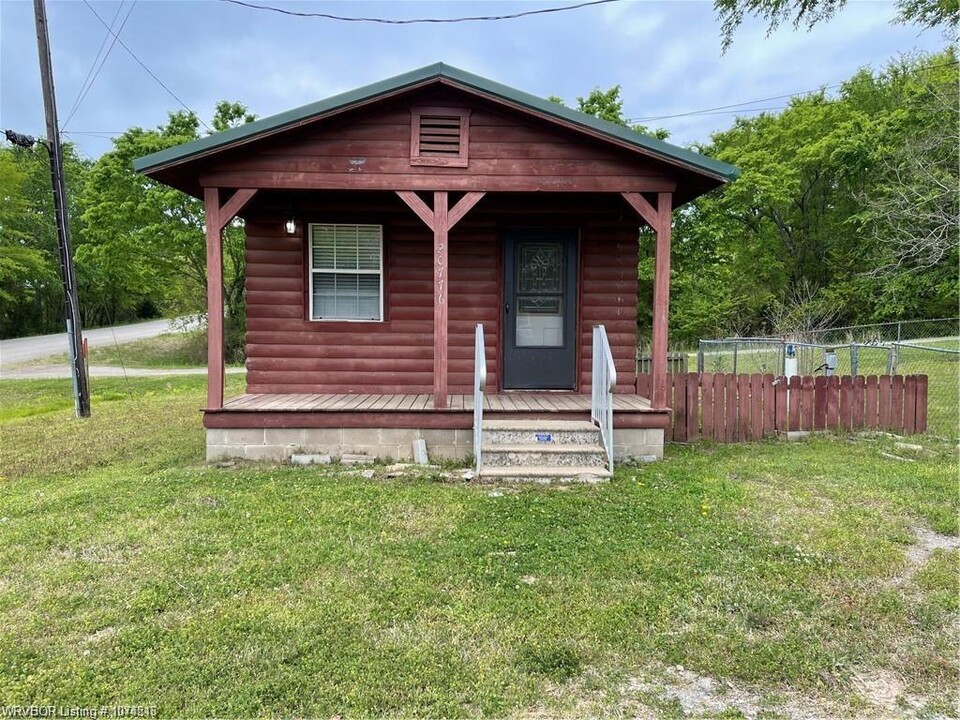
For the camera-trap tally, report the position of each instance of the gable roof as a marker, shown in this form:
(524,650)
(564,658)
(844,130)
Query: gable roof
(450,75)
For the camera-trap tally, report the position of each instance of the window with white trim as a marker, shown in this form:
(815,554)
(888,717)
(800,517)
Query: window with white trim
(346,272)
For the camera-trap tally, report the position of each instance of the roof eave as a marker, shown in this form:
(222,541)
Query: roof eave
(495,92)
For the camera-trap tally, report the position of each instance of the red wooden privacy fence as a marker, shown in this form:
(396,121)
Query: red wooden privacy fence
(734,408)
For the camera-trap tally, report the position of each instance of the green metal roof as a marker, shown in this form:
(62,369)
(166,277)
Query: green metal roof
(306,113)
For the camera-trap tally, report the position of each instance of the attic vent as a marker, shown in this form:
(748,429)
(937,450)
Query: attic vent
(439,136)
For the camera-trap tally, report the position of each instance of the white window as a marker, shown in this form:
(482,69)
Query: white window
(346,272)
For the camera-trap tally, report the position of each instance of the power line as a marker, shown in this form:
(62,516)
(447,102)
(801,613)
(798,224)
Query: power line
(141,64)
(713,110)
(719,109)
(418,21)
(89,81)
(96,58)
(769,108)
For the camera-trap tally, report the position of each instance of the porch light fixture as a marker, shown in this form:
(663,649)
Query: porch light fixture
(291,224)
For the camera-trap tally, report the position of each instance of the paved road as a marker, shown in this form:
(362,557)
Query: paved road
(50,372)
(22,350)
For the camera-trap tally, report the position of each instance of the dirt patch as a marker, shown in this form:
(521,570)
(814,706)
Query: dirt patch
(702,696)
(102,635)
(879,687)
(927,542)
(659,691)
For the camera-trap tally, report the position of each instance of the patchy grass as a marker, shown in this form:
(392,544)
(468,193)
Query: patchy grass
(169,350)
(131,573)
(178,349)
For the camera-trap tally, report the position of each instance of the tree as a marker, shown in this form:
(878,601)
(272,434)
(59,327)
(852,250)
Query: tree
(31,294)
(607,105)
(146,241)
(810,211)
(914,212)
(808,13)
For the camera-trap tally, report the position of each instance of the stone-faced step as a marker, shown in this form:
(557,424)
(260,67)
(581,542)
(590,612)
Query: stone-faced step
(545,474)
(545,432)
(544,454)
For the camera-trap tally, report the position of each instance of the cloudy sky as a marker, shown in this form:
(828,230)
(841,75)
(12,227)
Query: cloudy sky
(665,55)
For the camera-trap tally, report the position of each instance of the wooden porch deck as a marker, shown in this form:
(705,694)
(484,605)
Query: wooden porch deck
(512,402)
(301,410)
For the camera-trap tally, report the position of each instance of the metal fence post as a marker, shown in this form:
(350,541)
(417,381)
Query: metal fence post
(700,356)
(892,360)
(854,358)
(735,346)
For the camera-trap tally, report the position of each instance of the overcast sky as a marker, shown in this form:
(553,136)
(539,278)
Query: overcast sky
(665,55)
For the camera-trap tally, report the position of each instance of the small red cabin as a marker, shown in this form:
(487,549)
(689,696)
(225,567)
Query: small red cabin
(433,255)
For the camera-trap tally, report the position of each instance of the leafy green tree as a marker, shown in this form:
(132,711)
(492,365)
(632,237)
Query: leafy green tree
(607,105)
(31,294)
(808,13)
(146,241)
(808,215)
(914,210)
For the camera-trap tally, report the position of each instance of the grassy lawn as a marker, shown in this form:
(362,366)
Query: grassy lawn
(787,575)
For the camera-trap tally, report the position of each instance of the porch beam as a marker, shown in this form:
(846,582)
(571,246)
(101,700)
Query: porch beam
(418,206)
(643,207)
(428,181)
(215,370)
(661,301)
(465,205)
(440,286)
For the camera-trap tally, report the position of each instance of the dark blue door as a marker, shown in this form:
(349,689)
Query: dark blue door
(540,311)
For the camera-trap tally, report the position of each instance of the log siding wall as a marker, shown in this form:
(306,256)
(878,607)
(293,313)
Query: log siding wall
(608,290)
(288,353)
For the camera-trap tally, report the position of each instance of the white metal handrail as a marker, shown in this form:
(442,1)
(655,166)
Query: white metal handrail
(604,381)
(479,382)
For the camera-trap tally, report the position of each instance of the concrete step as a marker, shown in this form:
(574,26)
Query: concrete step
(545,474)
(543,454)
(545,432)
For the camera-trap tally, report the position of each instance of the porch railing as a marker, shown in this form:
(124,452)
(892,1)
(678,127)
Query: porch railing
(479,382)
(604,381)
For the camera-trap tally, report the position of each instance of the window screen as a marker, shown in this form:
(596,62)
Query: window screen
(346,272)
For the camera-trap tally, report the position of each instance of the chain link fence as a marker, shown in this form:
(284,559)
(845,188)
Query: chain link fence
(917,347)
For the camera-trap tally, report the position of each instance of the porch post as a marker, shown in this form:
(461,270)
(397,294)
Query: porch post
(440,264)
(440,219)
(211,200)
(216,218)
(661,300)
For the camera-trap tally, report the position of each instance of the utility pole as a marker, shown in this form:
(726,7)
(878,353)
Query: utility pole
(81,390)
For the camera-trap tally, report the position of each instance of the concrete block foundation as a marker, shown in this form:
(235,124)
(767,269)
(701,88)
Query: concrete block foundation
(278,444)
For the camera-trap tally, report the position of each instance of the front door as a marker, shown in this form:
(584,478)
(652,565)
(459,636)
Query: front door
(539,310)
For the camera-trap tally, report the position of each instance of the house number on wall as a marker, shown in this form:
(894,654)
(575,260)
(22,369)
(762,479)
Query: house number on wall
(440,279)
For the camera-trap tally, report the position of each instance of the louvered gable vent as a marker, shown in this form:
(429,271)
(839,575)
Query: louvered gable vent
(439,136)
